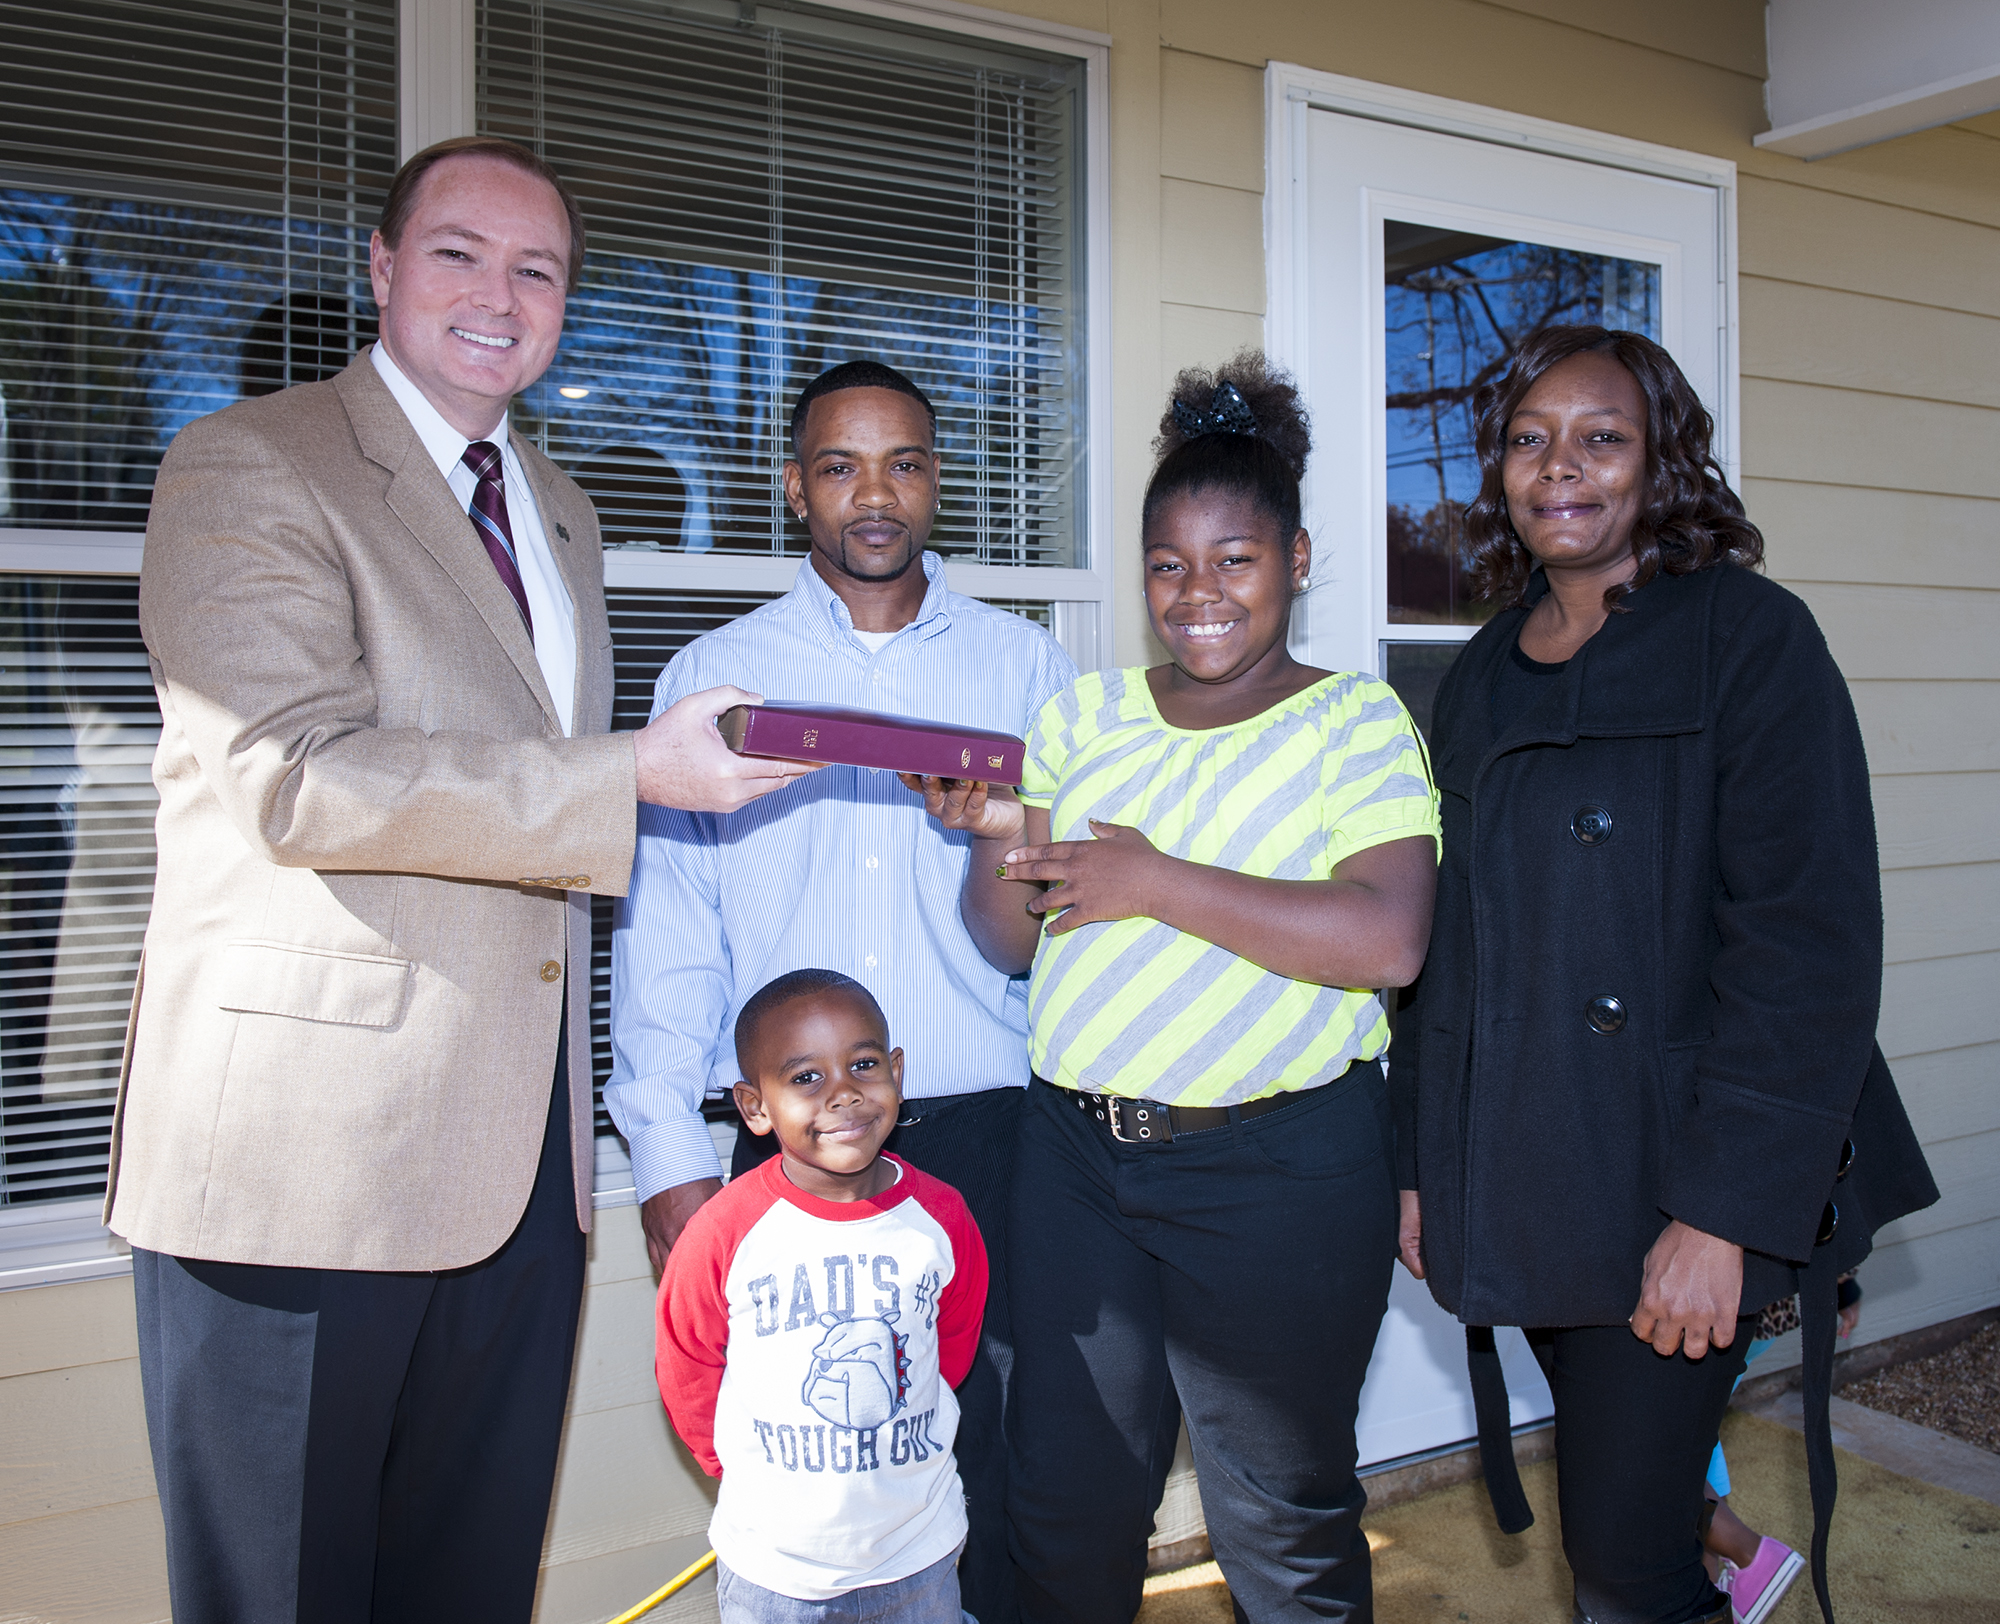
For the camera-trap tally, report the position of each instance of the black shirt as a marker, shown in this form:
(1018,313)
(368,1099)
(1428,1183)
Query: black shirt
(1522,682)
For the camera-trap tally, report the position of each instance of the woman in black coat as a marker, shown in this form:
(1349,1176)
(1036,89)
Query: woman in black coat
(1640,1060)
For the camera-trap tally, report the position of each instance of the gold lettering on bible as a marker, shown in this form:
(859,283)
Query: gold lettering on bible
(812,738)
(965,758)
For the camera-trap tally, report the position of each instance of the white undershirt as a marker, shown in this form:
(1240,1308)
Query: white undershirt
(548,599)
(873,642)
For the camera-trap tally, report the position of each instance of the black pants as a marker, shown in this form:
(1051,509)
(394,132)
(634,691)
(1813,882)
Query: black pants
(339,1446)
(1238,1276)
(968,1141)
(1633,1436)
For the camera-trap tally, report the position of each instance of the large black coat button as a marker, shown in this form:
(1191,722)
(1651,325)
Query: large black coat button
(1591,825)
(1846,1160)
(1604,1014)
(1829,1221)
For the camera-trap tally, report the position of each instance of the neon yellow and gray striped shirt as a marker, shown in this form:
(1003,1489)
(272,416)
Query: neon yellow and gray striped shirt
(1137,1008)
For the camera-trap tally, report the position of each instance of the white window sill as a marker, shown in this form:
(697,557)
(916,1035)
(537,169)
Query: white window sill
(52,1243)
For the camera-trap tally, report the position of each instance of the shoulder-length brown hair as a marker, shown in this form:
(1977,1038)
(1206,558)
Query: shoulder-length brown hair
(1691,519)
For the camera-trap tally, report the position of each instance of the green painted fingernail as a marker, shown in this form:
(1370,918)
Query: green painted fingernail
(1000,873)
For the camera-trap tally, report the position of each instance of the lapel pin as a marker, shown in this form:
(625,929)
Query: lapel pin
(563,532)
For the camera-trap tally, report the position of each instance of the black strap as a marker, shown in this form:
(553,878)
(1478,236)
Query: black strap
(1818,1316)
(1496,1432)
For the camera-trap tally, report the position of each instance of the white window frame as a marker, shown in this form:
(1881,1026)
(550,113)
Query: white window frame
(437,36)
(48,1243)
(1292,93)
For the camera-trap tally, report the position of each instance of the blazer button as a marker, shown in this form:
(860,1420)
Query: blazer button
(1591,825)
(581,882)
(552,971)
(1604,1014)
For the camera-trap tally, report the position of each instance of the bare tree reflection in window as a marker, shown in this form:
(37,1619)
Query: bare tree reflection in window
(1456,307)
(305,337)
(640,497)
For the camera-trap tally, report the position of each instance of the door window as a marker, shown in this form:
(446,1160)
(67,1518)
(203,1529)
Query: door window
(1431,258)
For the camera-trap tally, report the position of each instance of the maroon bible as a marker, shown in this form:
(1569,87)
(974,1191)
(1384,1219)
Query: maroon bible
(858,738)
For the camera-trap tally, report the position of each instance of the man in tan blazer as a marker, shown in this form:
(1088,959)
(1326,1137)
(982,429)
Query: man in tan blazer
(353,1153)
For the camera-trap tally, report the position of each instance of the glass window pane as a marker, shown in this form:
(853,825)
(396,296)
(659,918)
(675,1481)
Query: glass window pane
(78,723)
(1456,306)
(185,197)
(1414,670)
(771,195)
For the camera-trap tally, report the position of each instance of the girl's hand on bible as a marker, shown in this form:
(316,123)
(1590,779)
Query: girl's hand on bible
(1110,877)
(986,811)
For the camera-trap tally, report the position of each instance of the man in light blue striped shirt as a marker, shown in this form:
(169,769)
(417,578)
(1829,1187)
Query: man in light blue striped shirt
(843,870)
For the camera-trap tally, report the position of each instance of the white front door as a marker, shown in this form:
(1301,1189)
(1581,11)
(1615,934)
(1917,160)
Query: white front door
(1413,243)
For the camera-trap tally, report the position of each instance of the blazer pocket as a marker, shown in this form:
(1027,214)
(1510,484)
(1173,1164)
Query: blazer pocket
(313,983)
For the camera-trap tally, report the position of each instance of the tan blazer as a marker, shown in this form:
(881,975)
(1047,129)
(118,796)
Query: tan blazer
(346,1022)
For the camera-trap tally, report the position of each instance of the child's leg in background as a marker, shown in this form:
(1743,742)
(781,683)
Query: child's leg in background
(1726,1534)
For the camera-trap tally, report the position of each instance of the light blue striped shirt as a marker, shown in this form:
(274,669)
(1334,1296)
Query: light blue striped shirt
(841,870)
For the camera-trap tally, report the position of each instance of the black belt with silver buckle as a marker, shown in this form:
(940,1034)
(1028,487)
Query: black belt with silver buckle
(1152,1122)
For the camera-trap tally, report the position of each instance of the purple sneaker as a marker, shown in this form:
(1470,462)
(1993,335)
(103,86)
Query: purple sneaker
(1755,1591)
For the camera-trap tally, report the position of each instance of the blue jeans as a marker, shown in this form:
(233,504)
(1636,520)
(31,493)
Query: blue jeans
(929,1597)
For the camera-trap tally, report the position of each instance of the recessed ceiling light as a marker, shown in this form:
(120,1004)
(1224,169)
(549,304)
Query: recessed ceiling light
(571,392)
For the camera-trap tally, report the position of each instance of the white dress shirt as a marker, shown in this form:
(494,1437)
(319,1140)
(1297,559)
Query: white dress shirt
(548,599)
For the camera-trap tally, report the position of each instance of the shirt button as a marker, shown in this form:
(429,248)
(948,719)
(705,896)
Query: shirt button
(869,961)
(551,971)
(873,864)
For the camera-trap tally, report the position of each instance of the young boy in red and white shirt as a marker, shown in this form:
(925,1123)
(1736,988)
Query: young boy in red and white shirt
(813,1320)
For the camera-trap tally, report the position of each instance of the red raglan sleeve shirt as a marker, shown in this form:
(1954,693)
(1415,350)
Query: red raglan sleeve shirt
(806,1353)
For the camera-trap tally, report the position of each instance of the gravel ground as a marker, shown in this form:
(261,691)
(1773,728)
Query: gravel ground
(1956,1391)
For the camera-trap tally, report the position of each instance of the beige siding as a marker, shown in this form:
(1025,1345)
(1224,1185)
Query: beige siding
(1870,303)
(80,1534)
(631,1505)
(1872,435)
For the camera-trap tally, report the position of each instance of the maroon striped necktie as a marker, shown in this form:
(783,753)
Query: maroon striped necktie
(489,518)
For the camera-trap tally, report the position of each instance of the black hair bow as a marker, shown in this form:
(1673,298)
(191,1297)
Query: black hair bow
(1228,413)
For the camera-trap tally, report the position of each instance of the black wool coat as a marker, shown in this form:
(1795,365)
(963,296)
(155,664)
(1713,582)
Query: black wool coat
(1656,964)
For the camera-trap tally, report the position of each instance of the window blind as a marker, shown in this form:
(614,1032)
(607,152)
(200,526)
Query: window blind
(78,723)
(772,189)
(186,191)
(648,628)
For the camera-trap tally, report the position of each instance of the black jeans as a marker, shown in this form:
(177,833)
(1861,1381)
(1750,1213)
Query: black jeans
(1237,1276)
(347,1447)
(968,1141)
(1633,1436)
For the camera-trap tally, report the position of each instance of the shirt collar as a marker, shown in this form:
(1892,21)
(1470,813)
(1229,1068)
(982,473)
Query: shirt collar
(933,614)
(444,443)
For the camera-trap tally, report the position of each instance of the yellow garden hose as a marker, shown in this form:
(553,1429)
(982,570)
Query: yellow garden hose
(673,1586)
